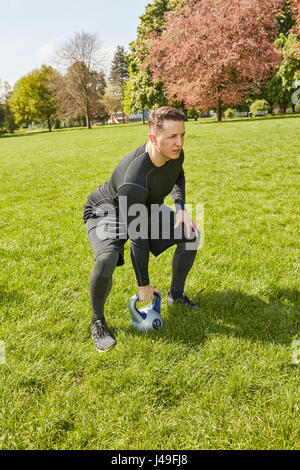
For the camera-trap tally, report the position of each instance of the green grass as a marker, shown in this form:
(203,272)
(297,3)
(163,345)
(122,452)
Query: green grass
(220,379)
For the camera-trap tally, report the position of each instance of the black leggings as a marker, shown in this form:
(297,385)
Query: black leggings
(105,264)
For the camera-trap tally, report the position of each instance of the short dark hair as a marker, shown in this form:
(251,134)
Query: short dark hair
(165,113)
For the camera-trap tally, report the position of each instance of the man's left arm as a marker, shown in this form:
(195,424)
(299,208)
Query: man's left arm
(178,196)
(178,191)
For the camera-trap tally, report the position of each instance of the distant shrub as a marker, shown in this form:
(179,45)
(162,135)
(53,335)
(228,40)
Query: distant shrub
(259,105)
(229,113)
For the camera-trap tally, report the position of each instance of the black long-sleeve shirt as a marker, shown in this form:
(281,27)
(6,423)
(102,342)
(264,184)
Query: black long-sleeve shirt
(137,178)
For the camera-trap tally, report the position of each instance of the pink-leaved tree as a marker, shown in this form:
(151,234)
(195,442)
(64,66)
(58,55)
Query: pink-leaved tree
(296,28)
(212,52)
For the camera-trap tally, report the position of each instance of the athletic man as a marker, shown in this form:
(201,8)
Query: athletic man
(142,180)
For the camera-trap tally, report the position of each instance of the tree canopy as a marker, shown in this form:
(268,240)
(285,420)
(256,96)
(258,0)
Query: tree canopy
(82,88)
(32,99)
(141,91)
(80,92)
(212,52)
(119,69)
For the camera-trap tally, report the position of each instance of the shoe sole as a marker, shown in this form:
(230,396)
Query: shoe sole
(106,349)
(101,351)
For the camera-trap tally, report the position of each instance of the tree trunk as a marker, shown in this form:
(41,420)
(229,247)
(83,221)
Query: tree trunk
(49,124)
(219,110)
(294,108)
(88,121)
(143,116)
(184,110)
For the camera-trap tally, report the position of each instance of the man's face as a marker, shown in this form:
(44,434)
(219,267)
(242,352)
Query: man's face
(169,139)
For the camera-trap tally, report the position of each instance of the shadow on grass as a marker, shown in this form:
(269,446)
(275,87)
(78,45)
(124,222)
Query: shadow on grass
(10,297)
(23,134)
(30,134)
(248,119)
(235,314)
(68,129)
(204,121)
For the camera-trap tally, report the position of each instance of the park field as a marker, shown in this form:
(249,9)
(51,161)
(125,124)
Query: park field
(223,378)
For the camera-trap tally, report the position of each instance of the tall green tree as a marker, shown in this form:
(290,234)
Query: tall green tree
(278,89)
(289,70)
(118,76)
(119,68)
(32,99)
(140,90)
(296,28)
(274,92)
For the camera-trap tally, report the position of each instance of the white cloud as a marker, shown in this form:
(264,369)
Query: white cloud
(46,51)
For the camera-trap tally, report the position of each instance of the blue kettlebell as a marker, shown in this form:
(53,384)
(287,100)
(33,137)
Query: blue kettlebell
(148,318)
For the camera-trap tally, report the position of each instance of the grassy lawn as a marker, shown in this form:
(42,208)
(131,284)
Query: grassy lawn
(220,379)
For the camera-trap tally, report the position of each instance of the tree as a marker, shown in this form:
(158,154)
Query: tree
(296,28)
(278,90)
(32,99)
(119,68)
(275,93)
(84,83)
(4,90)
(289,70)
(212,52)
(274,90)
(80,93)
(140,90)
(118,76)
(286,17)
(2,116)
(7,122)
(113,99)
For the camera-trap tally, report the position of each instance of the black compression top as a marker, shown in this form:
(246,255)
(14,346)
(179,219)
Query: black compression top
(137,178)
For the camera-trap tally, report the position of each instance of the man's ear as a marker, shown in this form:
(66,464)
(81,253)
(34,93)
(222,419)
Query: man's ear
(152,138)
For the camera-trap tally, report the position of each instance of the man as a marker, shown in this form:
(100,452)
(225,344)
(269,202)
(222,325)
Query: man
(140,182)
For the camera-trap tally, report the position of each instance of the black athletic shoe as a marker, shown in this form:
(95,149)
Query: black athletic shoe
(183,300)
(102,337)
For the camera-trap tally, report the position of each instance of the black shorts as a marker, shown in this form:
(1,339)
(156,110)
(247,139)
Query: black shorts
(162,235)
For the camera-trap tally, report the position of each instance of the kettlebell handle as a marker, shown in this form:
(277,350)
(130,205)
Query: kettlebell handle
(155,293)
(156,301)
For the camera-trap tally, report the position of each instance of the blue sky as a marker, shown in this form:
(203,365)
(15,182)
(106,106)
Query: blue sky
(31,30)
